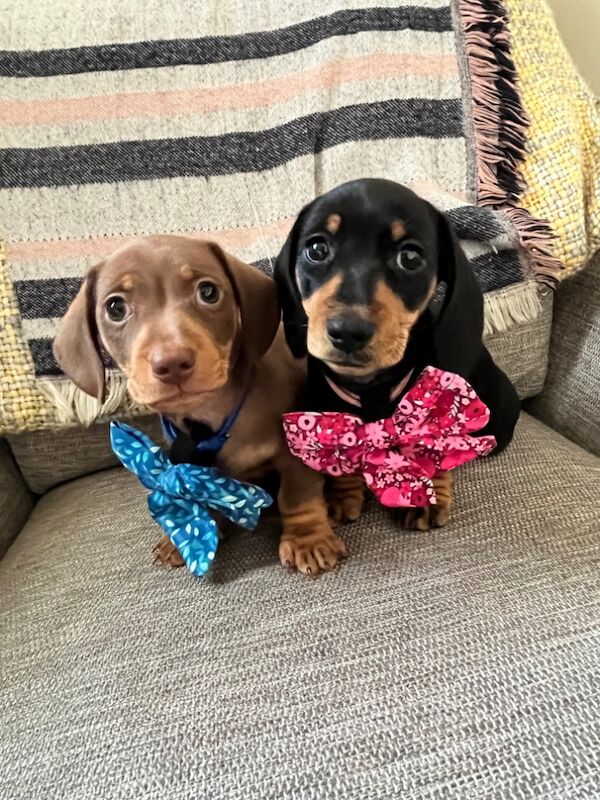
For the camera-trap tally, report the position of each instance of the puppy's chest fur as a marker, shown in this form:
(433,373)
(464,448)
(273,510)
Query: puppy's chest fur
(257,438)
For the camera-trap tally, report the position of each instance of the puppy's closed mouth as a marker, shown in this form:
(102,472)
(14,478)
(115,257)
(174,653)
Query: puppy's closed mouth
(356,370)
(348,362)
(173,402)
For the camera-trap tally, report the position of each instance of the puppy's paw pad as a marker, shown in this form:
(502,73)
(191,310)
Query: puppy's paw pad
(311,554)
(167,554)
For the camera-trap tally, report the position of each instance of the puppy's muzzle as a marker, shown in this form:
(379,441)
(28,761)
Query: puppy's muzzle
(172,365)
(349,333)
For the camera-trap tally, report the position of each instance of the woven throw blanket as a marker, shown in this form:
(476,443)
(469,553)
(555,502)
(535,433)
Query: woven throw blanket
(205,120)
(562,166)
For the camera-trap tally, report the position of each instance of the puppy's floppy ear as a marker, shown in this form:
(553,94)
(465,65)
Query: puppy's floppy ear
(77,345)
(295,321)
(256,295)
(459,327)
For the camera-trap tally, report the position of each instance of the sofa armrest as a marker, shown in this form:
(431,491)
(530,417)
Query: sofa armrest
(16,499)
(570,400)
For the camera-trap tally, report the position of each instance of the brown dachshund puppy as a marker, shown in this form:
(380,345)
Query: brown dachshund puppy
(197,333)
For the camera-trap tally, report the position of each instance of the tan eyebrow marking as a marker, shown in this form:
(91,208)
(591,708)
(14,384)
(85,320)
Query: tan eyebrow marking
(186,271)
(398,229)
(333,223)
(126,283)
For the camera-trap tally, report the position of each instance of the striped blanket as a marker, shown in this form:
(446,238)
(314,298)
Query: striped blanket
(211,120)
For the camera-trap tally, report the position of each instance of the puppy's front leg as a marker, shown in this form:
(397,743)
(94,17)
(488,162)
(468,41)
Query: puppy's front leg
(345,497)
(166,553)
(435,516)
(307,540)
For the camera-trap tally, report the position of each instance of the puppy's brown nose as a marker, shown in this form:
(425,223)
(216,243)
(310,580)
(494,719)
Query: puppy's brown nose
(172,365)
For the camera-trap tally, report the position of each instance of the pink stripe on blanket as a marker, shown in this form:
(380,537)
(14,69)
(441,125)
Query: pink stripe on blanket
(248,95)
(103,245)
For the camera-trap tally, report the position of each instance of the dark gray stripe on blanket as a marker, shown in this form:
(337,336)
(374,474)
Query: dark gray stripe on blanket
(49,298)
(265,265)
(497,270)
(477,224)
(43,358)
(232,152)
(215,49)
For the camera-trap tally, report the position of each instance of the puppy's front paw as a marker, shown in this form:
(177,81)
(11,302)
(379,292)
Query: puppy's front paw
(311,553)
(434,516)
(424,519)
(345,499)
(166,553)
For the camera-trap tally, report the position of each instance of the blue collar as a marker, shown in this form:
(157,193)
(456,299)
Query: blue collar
(216,441)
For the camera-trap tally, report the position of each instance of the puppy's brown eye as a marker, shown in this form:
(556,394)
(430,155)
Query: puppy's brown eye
(116,308)
(410,259)
(208,293)
(317,249)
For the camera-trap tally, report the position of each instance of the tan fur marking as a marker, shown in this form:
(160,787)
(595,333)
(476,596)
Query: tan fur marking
(323,299)
(307,541)
(186,272)
(394,322)
(210,372)
(333,223)
(125,284)
(345,497)
(398,230)
(319,307)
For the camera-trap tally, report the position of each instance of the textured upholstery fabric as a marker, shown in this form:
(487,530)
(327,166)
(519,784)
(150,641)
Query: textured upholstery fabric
(522,350)
(562,168)
(48,458)
(16,500)
(570,402)
(460,663)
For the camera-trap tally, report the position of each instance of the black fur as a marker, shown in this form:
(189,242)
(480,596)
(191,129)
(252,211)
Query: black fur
(447,335)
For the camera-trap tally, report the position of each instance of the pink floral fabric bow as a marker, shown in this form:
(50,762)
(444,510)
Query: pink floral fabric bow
(429,431)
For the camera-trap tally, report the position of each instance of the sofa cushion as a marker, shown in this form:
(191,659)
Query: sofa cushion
(457,663)
(16,500)
(47,458)
(522,350)
(569,402)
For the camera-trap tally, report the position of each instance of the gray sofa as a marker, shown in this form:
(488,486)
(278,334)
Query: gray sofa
(461,663)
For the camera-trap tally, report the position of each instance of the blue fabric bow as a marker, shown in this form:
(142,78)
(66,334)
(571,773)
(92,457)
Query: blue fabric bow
(182,494)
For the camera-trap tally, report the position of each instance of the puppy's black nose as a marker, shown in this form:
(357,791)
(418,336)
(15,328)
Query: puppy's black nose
(172,365)
(350,333)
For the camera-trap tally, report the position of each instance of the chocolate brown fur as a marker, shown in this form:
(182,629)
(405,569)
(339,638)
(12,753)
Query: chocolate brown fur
(189,359)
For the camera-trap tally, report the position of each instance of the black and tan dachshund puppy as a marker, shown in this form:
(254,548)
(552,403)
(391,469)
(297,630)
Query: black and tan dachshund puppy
(357,279)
